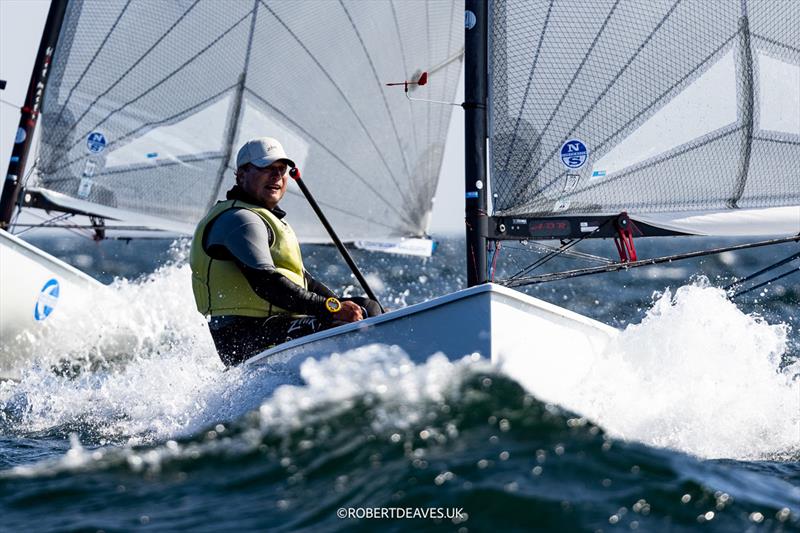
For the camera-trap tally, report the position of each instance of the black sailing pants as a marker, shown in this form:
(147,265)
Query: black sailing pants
(238,338)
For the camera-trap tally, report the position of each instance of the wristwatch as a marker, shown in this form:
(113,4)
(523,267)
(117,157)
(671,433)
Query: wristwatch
(333,305)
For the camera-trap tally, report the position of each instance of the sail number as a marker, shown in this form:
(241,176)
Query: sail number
(549,228)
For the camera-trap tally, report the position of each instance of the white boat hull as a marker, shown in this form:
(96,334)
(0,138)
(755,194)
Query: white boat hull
(520,334)
(403,246)
(36,290)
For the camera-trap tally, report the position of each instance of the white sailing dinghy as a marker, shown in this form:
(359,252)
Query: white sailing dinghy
(615,120)
(143,108)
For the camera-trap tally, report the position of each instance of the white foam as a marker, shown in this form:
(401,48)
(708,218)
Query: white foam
(402,396)
(161,377)
(384,373)
(160,369)
(696,375)
(133,317)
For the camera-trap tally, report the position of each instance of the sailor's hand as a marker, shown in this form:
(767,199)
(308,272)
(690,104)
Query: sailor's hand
(350,312)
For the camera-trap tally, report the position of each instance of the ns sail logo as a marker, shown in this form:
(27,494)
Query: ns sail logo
(574,154)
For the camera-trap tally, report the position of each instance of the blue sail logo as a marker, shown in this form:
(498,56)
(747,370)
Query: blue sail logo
(96,142)
(574,154)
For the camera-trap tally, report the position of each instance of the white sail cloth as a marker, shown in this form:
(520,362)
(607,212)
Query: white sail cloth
(674,111)
(148,101)
(752,222)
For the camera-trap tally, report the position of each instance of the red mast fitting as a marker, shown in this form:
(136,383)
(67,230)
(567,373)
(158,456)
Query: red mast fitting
(624,238)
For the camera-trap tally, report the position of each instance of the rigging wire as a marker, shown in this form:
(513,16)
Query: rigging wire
(762,271)
(555,276)
(739,283)
(579,255)
(575,254)
(16,106)
(496,253)
(543,260)
(776,278)
(86,230)
(52,223)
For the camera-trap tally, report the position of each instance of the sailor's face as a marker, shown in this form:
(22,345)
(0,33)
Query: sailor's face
(268,184)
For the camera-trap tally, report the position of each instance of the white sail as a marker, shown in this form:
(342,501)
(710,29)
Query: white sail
(678,108)
(148,101)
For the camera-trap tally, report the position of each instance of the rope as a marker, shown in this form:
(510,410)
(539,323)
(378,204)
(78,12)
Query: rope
(538,247)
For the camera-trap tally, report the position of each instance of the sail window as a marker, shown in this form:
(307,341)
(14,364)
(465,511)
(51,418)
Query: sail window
(706,105)
(199,133)
(779,95)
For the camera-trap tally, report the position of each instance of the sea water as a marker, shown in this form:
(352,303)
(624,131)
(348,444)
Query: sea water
(124,418)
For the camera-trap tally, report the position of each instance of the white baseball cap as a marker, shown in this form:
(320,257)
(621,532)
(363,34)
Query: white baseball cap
(262,152)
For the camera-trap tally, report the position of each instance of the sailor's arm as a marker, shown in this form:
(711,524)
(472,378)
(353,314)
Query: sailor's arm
(317,287)
(241,236)
(350,311)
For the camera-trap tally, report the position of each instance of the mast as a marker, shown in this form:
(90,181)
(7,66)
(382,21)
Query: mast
(30,111)
(475,133)
(236,113)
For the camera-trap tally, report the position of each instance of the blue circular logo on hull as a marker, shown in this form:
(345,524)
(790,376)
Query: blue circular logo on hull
(47,300)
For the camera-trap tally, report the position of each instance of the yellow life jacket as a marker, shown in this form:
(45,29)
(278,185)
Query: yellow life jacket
(219,286)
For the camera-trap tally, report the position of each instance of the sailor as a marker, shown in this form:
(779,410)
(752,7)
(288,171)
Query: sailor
(247,268)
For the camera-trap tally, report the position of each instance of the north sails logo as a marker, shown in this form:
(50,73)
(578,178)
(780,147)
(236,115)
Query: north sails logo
(574,154)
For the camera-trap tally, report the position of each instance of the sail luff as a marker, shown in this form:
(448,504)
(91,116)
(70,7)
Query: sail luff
(30,111)
(747,106)
(235,113)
